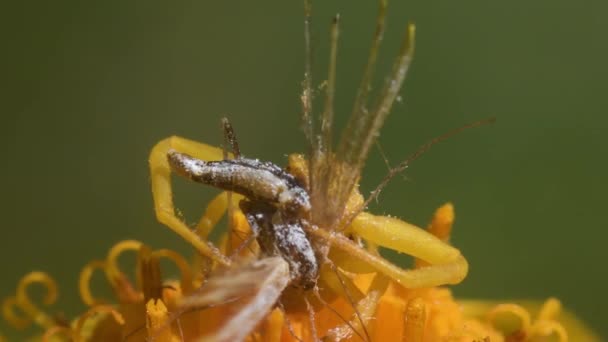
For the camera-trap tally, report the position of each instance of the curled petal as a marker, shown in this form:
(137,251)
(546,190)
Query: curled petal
(26,304)
(84,282)
(41,278)
(11,316)
(112,270)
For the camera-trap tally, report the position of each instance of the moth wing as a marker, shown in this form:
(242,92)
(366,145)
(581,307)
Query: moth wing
(253,288)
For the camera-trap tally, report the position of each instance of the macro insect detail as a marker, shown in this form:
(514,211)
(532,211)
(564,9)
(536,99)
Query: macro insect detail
(300,260)
(275,206)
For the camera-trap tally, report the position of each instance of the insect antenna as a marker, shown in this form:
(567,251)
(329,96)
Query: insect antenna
(230,139)
(352,302)
(133,332)
(311,319)
(246,243)
(405,164)
(337,313)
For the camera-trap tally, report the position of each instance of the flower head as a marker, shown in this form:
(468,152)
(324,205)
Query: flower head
(370,306)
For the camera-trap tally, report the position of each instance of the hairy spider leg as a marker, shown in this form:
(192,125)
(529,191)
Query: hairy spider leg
(162,191)
(446,264)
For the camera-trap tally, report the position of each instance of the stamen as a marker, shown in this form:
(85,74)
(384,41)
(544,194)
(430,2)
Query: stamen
(415,319)
(84,282)
(158,321)
(440,226)
(182,264)
(24,302)
(149,273)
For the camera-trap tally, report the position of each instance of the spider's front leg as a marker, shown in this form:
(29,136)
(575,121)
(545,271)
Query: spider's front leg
(160,173)
(445,263)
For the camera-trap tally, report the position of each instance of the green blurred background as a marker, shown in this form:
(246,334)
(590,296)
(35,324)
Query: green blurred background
(89,87)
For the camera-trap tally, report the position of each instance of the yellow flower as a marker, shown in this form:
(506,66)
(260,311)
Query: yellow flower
(358,295)
(383,310)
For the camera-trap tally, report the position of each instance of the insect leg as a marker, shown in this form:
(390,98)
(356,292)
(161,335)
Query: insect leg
(230,138)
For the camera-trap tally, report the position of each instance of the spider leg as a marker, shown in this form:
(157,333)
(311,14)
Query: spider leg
(446,264)
(160,172)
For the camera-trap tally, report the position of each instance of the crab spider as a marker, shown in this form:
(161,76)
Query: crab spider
(446,265)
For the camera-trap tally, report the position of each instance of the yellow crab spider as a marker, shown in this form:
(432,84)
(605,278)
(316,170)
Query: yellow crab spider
(446,265)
